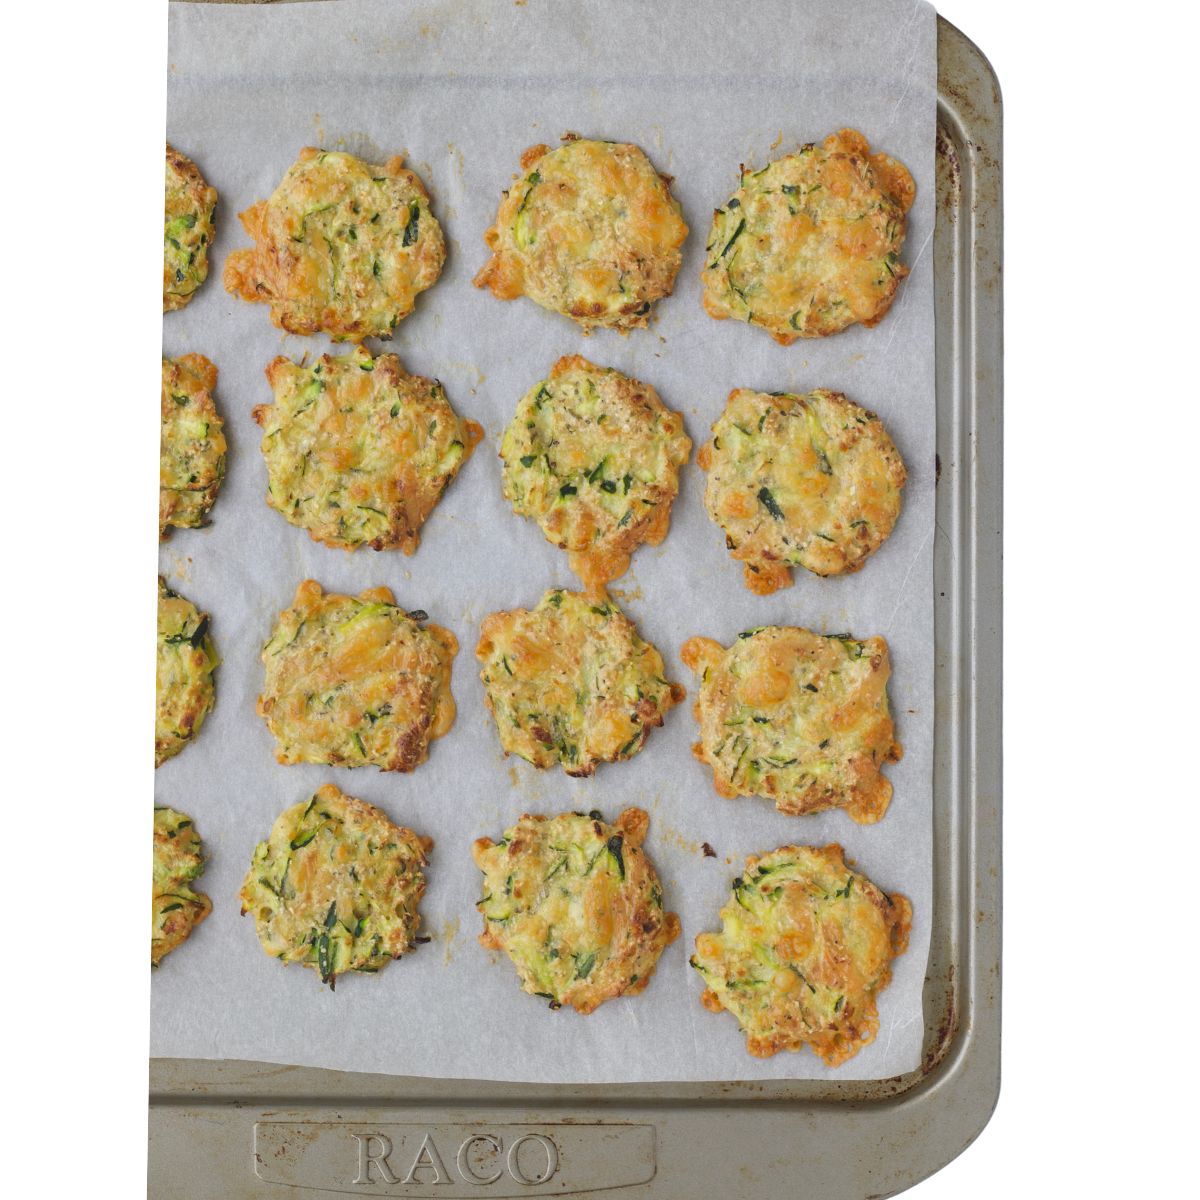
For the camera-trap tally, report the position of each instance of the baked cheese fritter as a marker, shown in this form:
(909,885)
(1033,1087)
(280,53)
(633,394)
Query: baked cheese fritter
(811,481)
(191,460)
(798,718)
(341,247)
(175,907)
(571,682)
(811,243)
(593,457)
(358,451)
(184,676)
(353,681)
(187,230)
(589,230)
(335,886)
(577,906)
(806,946)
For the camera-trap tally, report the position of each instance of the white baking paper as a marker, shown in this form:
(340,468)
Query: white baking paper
(461,89)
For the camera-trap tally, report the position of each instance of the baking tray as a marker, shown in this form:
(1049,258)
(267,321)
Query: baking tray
(228,1130)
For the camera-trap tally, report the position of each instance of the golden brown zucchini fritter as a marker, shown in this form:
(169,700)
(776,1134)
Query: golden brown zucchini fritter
(175,907)
(806,946)
(341,247)
(589,230)
(576,905)
(187,230)
(358,451)
(335,886)
(593,457)
(798,718)
(811,243)
(186,660)
(192,447)
(811,481)
(353,681)
(571,682)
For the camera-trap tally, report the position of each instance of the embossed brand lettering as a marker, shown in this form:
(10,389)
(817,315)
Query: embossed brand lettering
(367,1160)
(427,1158)
(464,1158)
(531,1159)
(514,1159)
(452,1160)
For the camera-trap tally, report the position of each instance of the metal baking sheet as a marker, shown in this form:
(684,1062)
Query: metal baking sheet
(245,1129)
(461,90)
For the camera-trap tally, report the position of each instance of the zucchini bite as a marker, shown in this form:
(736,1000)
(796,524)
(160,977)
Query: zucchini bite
(810,244)
(353,681)
(593,457)
(358,451)
(191,462)
(577,906)
(186,660)
(187,230)
(342,247)
(811,481)
(335,886)
(571,682)
(589,230)
(175,908)
(798,718)
(805,947)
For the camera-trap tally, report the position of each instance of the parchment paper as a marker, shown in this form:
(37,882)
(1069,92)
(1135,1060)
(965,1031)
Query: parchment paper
(461,89)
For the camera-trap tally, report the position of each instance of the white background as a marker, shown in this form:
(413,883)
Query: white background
(1102,453)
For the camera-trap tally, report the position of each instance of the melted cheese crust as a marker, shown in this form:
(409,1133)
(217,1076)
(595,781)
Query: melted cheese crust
(175,907)
(359,452)
(186,660)
(810,480)
(577,906)
(593,456)
(806,946)
(341,247)
(589,230)
(192,448)
(571,682)
(187,230)
(811,243)
(798,718)
(354,680)
(335,886)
